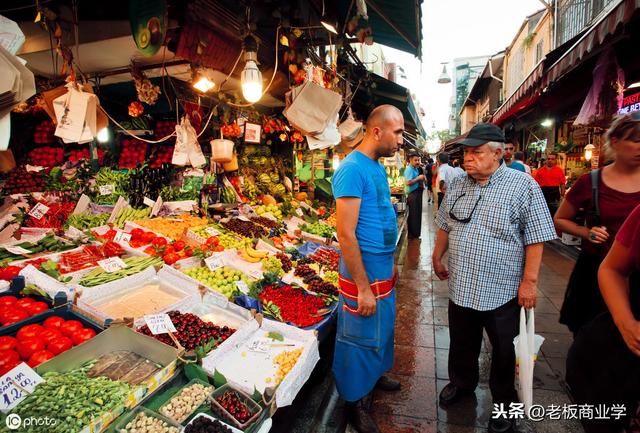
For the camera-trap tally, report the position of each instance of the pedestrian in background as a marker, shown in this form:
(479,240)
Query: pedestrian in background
(415,188)
(509,158)
(613,376)
(616,194)
(368,233)
(519,157)
(428,171)
(494,223)
(446,174)
(552,180)
(458,169)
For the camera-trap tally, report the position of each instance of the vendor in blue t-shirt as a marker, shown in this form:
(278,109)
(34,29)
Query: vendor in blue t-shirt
(368,233)
(415,188)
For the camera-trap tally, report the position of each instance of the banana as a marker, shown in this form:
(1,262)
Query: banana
(257,254)
(247,258)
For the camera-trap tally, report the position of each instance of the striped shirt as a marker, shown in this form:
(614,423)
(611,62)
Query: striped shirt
(486,254)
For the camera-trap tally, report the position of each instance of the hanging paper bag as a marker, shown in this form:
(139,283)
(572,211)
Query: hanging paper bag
(180,151)
(312,107)
(90,130)
(527,344)
(196,157)
(71,112)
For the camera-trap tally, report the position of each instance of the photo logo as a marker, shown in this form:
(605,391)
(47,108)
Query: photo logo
(13,421)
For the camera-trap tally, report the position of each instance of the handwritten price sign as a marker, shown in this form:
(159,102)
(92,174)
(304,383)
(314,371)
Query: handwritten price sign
(159,323)
(106,189)
(242,286)
(122,236)
(16,385)
(112,264)
(214,262)
(38,211)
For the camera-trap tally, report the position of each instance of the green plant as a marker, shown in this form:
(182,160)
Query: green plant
(528,41)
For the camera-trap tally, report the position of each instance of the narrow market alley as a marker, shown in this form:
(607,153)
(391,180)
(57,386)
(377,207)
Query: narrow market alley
(422,342)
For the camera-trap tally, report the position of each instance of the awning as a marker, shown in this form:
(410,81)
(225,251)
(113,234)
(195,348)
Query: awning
(388,92)
(394,23)
(453,146)
(529,85)
(608,25)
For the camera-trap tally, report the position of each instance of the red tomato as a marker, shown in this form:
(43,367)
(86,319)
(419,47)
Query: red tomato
(69,327)
(170,258)
(13,316)
(29,331)
(10,271)
(9,366)
(7,356)
(179,245)
(26,348)
(36,308)
(5,301)
(39,357)
(148,237)
(53,322)
(137,234)
(188,252)
(219,248)
(59,345)
(49,334)
(8,343)
(159,241)
(82,335)
(22,303)
(168,250)
(213,240)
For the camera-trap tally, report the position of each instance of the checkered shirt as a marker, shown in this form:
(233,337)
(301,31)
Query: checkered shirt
(486,254)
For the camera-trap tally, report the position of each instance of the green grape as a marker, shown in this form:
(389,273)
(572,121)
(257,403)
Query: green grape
(272,264)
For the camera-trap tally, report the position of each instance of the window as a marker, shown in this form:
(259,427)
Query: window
(539,51)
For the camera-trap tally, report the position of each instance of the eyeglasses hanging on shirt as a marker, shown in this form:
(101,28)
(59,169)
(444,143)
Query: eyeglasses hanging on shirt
(461,219)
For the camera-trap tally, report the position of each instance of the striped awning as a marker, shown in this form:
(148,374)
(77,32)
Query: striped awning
(608,25)
(530,85)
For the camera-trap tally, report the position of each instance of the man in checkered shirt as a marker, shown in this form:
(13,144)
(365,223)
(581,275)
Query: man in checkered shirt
(494,223)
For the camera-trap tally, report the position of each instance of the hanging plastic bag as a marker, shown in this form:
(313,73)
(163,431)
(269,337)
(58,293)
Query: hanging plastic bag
(527,344)
(180,150)
(196,157)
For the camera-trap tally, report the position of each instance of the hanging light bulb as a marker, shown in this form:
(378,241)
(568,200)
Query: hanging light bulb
(251,78)
(588,151)
(103,135)
(444,77)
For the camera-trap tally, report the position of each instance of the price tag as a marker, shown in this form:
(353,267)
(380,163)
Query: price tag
(159,323)
(82,205)
(157,206)
(300,213)
(38,211)
(148,202)
(106,189)
(243,218)
(259,344)
(112,264)
(214,262)
(211,231)
(242,286)
(16,385)
(122,236)
(256,275)
(14,249)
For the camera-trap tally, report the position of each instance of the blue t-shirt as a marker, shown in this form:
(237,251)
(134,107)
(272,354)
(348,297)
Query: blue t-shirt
(411,173)
(360,176)
(517,166)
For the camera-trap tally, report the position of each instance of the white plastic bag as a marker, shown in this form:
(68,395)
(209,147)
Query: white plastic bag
(527,344)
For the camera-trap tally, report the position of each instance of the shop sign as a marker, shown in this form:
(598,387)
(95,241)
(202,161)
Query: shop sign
(630,104)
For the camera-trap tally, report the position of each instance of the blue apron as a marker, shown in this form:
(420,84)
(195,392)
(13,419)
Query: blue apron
(364,345)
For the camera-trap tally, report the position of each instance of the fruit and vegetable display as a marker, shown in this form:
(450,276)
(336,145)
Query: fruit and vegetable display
(247,229)
(192,332)
(234,407)
(248,254)
(72,400)
(86,220)
(21,181)
(55,216)
(222,280)
(318,229)
(134,265)
(181,406)
(49,243)
(15,309)
(47,156)
(110,185)
(123,366)
(172,228)
(274,265)
(204,424)
(87,257)
(285,361)
(144,423)
(132,153)
(38,343)
(291,305)
(329,259)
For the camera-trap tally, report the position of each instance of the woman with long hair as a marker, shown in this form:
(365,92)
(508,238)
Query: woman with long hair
(618,193)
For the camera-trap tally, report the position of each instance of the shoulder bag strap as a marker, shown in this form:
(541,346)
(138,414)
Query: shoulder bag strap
(595,187)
